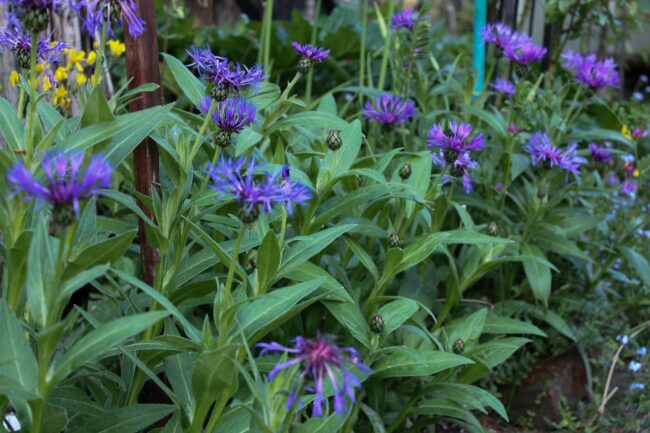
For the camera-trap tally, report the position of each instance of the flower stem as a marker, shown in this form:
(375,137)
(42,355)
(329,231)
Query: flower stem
(197,142)
(21,103)
(314,33)
(290,85)
(101,55)
(234,258)
(387,41)
(32,98)
(362,51)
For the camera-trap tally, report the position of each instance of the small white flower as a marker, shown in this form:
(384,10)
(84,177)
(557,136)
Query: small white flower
(634,366)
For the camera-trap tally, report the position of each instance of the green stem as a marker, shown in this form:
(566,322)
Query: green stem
(235,257)
(266,36)
(197,142)
(290,85)
(21,103)
(384,59)
(314,33)
(216,413)
(101,55)
(32,98)
(362,51)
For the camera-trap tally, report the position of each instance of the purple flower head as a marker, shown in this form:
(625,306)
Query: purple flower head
(639,133)
(541,150)
(237,178)
(306,51)
(524,53)
(460,167)
(233,114)
(503,36)
(320,360)
(403,20)
(389,109)
(588,70)
(65,183)
(33,14)
(459,141)
(93,14)
(600,155)
(504,86)
(13,39)
(500,187)
(628,187)
(224,77)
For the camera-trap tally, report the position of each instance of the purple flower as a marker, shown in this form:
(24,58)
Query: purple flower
(459,140)
(389,109)
(231,115)
(524,53)
(306,51)
(588,70)
(65,183)
(628,187)
(500,187)
(541,150)
(224,77)
(403,20)
(642,351)
(503,36)
(600,155)
(320,360)
(504,86)
(14,39)
(460,168)
(33,14)
(94,13)
(237,178)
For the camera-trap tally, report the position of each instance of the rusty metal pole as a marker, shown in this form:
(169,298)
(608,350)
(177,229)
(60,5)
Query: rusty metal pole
(142,66)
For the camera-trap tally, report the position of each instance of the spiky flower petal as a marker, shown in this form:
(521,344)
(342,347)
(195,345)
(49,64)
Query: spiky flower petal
(588,70)
(389,109)
(15,40)
(504,86)
(94,13)
(542,151)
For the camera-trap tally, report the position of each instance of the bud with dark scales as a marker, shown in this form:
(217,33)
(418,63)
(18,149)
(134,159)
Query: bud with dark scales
(493,229)
(223,138)
(35,19)
(231,116)
(218,93)
(394,240)
(17,40)
(334,140)
(309,54)
(405,171)
(377,324)
(458,347)
(63,215)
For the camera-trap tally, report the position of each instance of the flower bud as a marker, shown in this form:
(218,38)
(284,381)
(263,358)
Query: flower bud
(493,229)
(405,171)
(223,138)
(458,347)
(334,140)
(218,93)
(249,215)
(377,324)
(35,19)
(304,65)
(394,240)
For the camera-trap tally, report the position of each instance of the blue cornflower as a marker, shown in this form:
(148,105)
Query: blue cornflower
(14,39)
(224,77)
(65,183)
(503,36)
(321,360)
(308,55)
(637,386)
(403,20)
(642,351)
(541,150)
(457,142)
(600,155)
(93,14)
(231,115)
(524,53)
(634,366)
(460,167)
(389,109)
(588,70)
(504,86)
(623,339)
(237,178)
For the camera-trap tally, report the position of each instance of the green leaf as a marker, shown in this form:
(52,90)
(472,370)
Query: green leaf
(351,144)
(81,279)
(496,122)
(505,325)
(402,361)
(268,261)
(41,270)
(321,119)
(18,366)
(129,419)
(191,86)
(96,109)
(215,373)
(420,178)
(599,134)
(102,252)
(363,257)
(638,262)
(15,391)
(539,276)
(246,139)
(330,424)
(327,104)
(375,419)
(469,328)
(11,127)
(348,314)
(101,340)
(304,248)
(472,396)
(267,312)
(559,244)
(397,312)
(496,351)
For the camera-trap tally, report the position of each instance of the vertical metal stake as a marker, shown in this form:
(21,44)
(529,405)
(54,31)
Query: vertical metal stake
(480,17)
(142,66)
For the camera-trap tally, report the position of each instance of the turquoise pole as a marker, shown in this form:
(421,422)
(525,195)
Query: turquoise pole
(480,17)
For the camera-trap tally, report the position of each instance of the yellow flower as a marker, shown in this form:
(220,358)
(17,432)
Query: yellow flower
(626,132)
(636,172)
(14,78)
(47,84)
(75,58)
(117,48)
(40,68)
(92,58)
(60,96)
(81,79)
(61,74)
